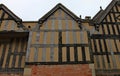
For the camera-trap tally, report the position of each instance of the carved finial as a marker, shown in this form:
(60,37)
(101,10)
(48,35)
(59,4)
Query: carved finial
(101,8)
(80,16)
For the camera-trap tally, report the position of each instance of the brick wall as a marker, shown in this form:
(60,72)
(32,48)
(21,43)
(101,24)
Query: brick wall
(59,70)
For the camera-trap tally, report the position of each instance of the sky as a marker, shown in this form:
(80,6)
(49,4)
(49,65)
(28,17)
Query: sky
(33,10)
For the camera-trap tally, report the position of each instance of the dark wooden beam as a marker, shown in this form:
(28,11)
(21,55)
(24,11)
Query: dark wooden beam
(9,53)
(3,54)
(60,47)
(100,36)
(75,54)
(58,63)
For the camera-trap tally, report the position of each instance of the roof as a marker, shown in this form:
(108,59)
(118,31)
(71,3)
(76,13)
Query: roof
(102,13)
(10,13)
(59,6)
(96,17)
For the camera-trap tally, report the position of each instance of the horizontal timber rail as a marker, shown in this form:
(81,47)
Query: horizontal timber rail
(57,30)
(56,45)
(104,53)
(98,36)
(58,63)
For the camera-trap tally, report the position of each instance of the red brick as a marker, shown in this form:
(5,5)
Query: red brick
(61,70)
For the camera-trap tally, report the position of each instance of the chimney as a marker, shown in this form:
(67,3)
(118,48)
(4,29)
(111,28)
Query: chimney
(87,17)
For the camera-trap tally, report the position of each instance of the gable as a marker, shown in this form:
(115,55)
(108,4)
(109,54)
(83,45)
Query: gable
(9,21)
(113,14)
(107,21)
(11,15)
(59,6)
(58,15)
(101,15)
(60,20)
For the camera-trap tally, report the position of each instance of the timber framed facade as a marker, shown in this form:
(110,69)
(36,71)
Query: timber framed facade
(61,41)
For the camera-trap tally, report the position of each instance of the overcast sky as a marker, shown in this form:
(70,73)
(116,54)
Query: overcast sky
(32,10)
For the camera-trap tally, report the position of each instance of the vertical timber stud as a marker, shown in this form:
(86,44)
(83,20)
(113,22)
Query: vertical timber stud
(83,53)
(9,53)
(75,53)
(3,54)
(28,46)
(60,37)
(21,50)
(60,47)
(68,54)
(52,41)
(15,51)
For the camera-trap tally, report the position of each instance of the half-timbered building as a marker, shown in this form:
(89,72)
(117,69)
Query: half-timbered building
(61,43)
